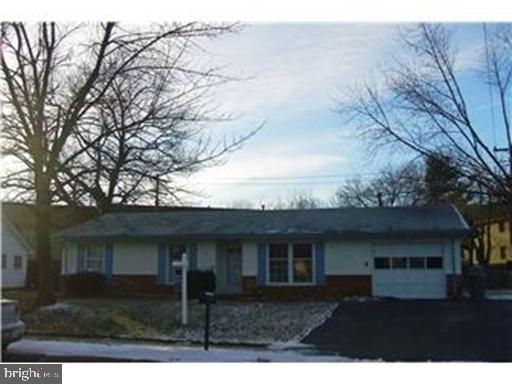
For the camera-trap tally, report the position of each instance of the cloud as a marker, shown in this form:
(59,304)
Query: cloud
(255,171)
(292,72)
(295,67)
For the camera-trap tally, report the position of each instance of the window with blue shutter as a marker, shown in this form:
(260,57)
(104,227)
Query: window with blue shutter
(109,261)
(162,264)
(319,263)
(261,277)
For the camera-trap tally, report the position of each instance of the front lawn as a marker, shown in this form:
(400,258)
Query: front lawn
(160,319)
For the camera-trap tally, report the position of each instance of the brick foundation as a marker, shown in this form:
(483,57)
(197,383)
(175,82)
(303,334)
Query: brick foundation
(454,286)
(334,288)
(138,284)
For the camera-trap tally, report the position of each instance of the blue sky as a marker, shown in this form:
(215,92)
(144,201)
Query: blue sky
(295,72)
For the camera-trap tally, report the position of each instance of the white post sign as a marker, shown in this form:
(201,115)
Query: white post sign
(184,300)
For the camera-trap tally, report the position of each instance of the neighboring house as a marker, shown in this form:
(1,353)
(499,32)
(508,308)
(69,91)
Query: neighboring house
(494,233)
(16,252)
(501,249)
(406,252)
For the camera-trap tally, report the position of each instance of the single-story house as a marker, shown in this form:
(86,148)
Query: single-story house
(405,252)
(16,251)
(21,231)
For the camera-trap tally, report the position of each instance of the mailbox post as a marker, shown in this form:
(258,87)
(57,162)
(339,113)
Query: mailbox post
(184,295)
(207,298)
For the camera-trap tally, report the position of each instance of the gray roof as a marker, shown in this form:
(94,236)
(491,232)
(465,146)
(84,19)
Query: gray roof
(415,222)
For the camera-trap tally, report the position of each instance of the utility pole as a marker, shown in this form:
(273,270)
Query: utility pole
(509,150)
(157,191)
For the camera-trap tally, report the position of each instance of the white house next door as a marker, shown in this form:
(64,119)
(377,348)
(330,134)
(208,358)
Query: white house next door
(229,268)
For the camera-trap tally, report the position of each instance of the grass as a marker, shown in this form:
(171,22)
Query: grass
(160,319)
(135,318)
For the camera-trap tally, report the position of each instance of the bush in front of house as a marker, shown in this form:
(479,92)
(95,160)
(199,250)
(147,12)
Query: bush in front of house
(200,281)
(86,284)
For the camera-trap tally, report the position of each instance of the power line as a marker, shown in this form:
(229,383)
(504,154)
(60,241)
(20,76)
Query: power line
(300,177)
(255,184)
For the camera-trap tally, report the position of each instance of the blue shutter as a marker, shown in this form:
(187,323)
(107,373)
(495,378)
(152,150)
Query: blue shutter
(192,257)
(162,263)
(109,261)
(319,264)
(80,264)
(261,278)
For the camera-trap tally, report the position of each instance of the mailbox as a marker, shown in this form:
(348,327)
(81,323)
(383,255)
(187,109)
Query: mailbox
(207,298)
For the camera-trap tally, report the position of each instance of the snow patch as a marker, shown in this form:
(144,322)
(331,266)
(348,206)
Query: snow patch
(499,295)
(241,323)
(361,299)
(60,307)
(151,352)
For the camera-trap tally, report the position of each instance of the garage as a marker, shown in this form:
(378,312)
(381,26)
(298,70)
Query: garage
(403,272)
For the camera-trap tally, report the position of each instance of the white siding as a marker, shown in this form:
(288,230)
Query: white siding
(132,258)
(206,251)
(341,257)
(355,258)
(249,258)
(12,246)
(347,258)
(404,249)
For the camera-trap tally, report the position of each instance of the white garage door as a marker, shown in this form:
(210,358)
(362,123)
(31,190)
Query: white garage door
(409,277)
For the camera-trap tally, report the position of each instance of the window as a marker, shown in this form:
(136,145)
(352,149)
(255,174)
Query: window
(4,261)
(18,262)
(434,262)
(416,263)
(176,251)
(290,263)
(408,262)
(503,253)
(302,263)
(278,262)
(381,263)
(399,262)
(501,226)
(94,259)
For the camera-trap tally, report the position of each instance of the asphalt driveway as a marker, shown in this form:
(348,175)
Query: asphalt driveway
(418,330)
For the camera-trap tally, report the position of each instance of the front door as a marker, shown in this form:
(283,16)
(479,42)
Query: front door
(229,268)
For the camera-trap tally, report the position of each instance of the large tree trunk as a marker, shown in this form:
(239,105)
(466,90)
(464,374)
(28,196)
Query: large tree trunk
(43,244)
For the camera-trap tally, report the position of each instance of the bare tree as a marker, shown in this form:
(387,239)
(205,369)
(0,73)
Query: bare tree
(393,187)
(422,106)
(148,129)
(294,200)
(53,77)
